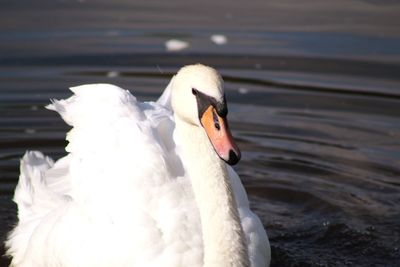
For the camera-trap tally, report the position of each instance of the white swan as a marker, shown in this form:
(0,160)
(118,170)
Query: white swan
(143,184)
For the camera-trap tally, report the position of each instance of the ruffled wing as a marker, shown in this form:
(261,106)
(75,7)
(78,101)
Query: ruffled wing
(121,190)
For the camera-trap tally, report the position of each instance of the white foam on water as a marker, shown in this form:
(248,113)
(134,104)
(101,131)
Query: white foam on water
(112,74)
(243,91)
(176,45)
(219,39)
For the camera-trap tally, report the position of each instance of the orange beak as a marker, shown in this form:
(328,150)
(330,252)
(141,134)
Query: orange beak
(221,138)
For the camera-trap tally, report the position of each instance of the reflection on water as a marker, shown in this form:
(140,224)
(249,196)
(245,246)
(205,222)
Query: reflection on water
(314,103)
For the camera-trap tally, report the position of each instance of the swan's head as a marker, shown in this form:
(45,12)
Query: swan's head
(198,98)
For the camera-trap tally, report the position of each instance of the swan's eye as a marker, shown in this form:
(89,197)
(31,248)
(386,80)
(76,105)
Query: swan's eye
(194,91)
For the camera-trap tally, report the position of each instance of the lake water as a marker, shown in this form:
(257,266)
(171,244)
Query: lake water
(313,89)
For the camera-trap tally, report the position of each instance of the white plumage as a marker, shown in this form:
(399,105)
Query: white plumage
(124,195)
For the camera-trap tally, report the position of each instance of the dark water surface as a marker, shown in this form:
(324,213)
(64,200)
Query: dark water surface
(314,94)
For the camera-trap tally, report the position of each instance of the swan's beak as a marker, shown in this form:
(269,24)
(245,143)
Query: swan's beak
(221,138)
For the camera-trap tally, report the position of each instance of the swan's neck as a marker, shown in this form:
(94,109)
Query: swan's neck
(223,237)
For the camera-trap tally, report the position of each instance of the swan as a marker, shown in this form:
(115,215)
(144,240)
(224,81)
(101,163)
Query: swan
(143,184)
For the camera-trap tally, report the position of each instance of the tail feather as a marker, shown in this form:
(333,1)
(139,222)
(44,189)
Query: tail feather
(35,197)
(41,186)
(31,181)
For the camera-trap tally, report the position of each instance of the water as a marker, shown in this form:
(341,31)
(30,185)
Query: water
(313,91)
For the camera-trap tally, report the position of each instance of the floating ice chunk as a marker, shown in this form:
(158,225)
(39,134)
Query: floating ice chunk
(219,39)
(176,45)
(243,91)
